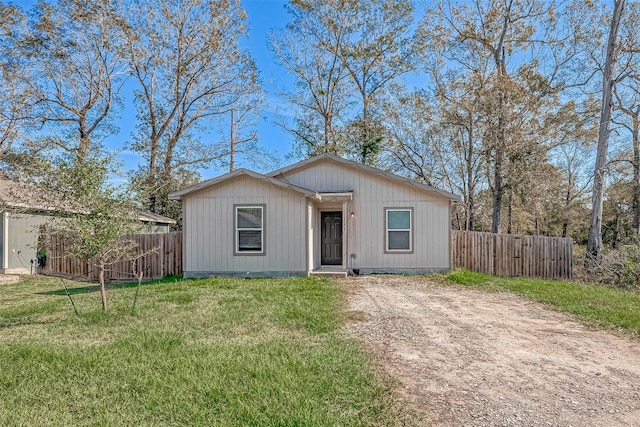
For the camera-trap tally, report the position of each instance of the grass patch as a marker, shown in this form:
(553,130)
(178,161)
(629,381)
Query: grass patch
(213,352)
(603,305)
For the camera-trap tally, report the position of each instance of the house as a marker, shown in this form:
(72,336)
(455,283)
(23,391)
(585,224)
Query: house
(324,214)
(22,217)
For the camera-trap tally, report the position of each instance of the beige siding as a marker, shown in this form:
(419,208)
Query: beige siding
(312,229)
(4,241)
(210,235)
(22,241)
(372,193)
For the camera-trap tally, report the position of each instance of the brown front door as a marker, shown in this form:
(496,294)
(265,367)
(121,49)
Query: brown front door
(331,238)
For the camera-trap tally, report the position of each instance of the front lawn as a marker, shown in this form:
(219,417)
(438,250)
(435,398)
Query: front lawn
(200,352)
(603,305)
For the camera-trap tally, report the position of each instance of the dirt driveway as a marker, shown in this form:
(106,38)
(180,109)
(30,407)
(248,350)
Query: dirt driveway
(485,359)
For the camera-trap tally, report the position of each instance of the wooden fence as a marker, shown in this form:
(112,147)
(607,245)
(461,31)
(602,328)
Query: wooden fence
(162,257)
(504,255)
(510,255)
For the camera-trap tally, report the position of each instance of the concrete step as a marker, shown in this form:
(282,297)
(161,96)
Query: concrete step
(333,274)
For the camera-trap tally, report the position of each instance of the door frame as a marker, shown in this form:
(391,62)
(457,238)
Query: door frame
(322,213)
(318,245)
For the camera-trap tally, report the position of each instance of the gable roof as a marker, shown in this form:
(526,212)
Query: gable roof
(148,216)
(19,195)
(179,195)
(16,195)
(369,169)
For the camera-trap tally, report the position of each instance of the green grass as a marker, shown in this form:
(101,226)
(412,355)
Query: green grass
(602,305)
(215,352)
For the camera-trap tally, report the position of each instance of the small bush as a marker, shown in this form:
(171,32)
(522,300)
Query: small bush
(621,267)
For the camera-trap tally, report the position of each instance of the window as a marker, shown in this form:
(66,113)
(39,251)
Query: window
(249,229)
(398,233)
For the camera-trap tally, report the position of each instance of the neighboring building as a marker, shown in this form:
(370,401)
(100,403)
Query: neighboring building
(21,221)
(153,223)
(318,215)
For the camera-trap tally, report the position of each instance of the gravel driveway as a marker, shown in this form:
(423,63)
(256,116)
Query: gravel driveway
(487,359)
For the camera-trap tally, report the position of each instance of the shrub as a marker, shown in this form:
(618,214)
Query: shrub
(621,267)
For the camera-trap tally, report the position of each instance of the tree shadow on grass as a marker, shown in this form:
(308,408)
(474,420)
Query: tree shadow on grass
(96,288)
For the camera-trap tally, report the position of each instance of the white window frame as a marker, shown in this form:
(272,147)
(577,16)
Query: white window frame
(387,230)
(237,230)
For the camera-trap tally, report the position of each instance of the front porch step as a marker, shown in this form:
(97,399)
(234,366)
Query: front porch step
(333,274)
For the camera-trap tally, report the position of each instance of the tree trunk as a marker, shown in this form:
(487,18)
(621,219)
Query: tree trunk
(153,174)
(616,232)
(509,212)
(498,190)
(565,220)
(594,241)
(84,144)
(636,173)
(103,290)
(501,143)
(232,149)
(366,134)
(470,215)
(501,80)
(470,184)
(328,146)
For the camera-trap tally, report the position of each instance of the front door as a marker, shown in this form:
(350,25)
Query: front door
(331,238)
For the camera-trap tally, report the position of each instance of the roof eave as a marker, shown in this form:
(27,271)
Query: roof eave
(179,195)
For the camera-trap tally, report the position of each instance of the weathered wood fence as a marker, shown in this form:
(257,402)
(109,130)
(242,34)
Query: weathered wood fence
(505,255)
(162,257)
(510,255)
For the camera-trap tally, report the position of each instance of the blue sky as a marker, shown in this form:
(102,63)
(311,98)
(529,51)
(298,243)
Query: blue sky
(263,16)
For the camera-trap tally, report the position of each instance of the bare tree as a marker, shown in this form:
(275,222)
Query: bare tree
(414,143)
(190,70)
(594,241)
(337,46)
(74,72)
(308,48)
(532,49)
(626,93)
(379,50)
(629,109)
(572,158)
(460,98)
(14,93)
(243,137)
(14,110)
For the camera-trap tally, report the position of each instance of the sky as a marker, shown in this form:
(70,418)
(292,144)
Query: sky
(263,17)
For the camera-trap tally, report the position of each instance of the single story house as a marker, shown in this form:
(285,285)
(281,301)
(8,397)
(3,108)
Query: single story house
(20,220)
(324,214)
